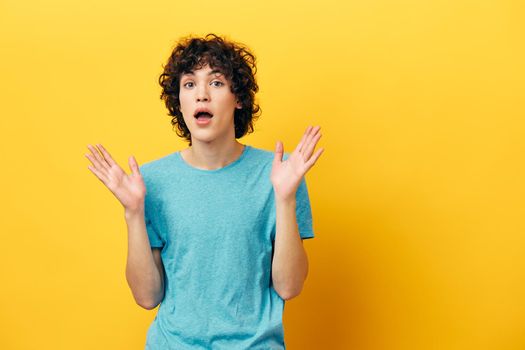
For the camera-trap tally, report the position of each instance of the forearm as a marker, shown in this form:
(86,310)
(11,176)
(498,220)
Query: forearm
(290,262)
(142,274)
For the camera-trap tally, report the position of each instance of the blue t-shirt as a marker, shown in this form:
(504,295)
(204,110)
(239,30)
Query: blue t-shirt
(216,229)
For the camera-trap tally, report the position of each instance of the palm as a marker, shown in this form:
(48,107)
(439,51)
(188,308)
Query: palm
(129,189)
(286,175)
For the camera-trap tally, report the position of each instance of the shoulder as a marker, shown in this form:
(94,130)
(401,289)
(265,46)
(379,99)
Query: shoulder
(259,160)
(256,152)
(265,154)
(258,164)
(157,166)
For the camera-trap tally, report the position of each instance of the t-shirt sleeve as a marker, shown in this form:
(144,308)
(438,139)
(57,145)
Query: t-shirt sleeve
(155,239)
(304,211)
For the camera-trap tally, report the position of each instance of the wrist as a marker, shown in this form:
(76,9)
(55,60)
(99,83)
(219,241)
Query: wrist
(285,200)
(131,213)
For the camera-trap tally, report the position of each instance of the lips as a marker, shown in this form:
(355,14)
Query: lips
(202,112)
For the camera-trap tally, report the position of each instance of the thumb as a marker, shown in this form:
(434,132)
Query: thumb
(279,149)
(133,165)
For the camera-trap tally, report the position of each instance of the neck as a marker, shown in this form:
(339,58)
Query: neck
(209,156)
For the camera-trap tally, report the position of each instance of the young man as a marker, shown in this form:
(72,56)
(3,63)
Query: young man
(224,220)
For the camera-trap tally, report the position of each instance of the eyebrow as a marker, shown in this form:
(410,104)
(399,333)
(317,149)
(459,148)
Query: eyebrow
(210,73)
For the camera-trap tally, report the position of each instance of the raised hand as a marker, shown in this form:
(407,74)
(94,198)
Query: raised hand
(287,175)
(129,189)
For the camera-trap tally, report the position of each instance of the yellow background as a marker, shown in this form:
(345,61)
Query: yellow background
(418,199)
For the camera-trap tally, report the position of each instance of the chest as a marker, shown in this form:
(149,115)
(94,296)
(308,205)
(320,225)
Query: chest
(211,218)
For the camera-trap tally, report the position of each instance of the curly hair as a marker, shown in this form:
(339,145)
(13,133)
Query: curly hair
(233,59)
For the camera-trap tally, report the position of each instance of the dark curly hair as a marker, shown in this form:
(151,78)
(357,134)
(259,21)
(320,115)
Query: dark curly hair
(233,59)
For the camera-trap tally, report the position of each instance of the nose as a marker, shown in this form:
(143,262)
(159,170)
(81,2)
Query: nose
(202,93)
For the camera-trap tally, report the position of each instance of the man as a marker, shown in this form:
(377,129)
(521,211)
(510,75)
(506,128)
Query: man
(224,220)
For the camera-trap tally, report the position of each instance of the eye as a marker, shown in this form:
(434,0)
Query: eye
(189,82)
(216,81)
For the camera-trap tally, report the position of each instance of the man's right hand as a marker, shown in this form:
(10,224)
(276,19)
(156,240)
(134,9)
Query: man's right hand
(130,189)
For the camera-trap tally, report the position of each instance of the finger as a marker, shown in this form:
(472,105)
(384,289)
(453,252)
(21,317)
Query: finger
(303,139)
(309,148)
(98,174)
(301,143)
(97,155)
(314,158)
(279,150)
(308,140)
(134,166)
(106,155)
(97,165)
(101,158)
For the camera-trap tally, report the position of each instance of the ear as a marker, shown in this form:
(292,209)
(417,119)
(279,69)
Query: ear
(238,105)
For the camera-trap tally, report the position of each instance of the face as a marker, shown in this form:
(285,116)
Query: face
(209,89)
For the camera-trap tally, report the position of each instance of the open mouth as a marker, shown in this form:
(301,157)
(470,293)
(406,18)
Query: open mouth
(203,115)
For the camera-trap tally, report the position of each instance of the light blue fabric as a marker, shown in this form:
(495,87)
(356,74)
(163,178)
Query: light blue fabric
(216,229)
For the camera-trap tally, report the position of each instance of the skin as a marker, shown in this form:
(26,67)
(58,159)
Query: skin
(214,146)
(290,262)
(144,269)
(129,189)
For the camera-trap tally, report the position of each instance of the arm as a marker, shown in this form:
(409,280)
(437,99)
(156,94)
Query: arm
(290,262)
(144,271)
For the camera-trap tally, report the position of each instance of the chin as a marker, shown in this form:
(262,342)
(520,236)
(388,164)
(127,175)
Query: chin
(199,137)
